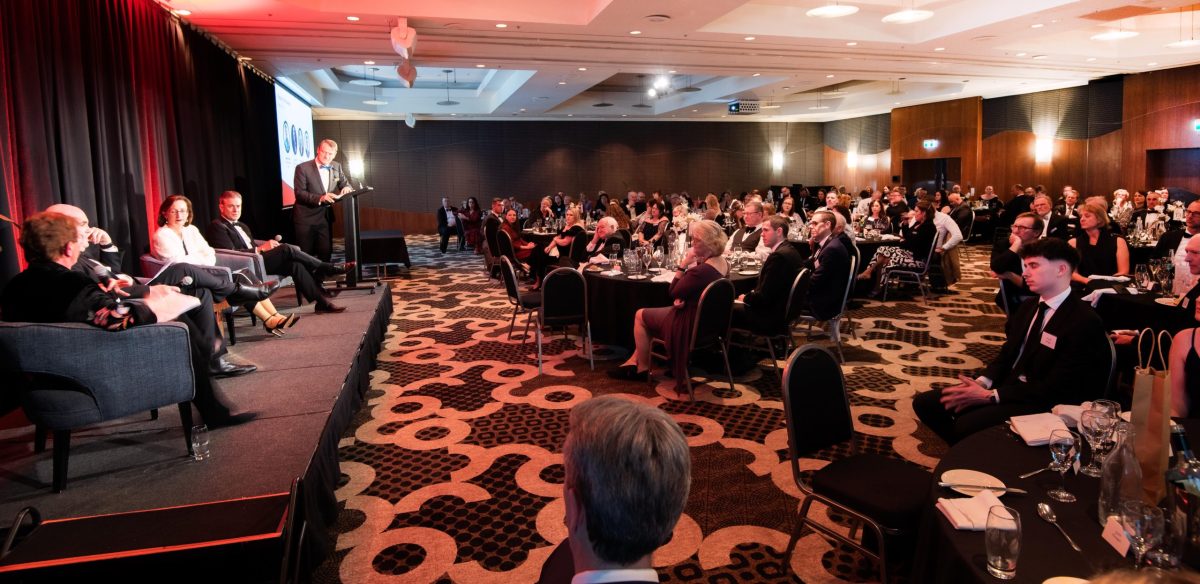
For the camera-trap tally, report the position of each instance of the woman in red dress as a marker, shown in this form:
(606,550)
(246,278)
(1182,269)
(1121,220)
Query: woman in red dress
(472,219)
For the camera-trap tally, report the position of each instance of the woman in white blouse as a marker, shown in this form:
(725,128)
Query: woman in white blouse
(178,241)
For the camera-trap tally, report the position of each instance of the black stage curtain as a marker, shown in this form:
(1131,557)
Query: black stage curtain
(112,105)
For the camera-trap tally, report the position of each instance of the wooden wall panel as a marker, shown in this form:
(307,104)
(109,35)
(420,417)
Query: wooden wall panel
(956,125)
(1103,164)
(1158,112)
(1008,158)
(871,171)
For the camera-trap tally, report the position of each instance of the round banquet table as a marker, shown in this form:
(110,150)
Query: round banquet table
(1140,254)
(613,300)
(1135,312)
(945,554)
(542,239)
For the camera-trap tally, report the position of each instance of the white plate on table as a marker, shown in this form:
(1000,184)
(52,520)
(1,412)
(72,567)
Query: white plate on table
(748,272)
(657,270)
(637,277)
(1167,301)
(972,477)
(1065,580)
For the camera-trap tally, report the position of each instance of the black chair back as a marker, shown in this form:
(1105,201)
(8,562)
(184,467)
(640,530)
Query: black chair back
(616,240)
(713,314)
(796,300)
(626,238)
(564,298)
(505,246)
(849,284)
(490,226)
(815,404)
(509,274)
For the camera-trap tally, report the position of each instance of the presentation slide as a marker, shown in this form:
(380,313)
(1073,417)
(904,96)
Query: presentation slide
(294,124)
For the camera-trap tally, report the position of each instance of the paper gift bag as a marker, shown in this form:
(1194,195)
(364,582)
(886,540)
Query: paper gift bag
(1151,415)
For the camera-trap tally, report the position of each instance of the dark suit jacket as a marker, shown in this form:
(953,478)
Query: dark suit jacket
(221,235)
(309,190)
(1169,242)
(1075,370)
(1005,260)
(963,217)
(1016,206)
(830,275)
(767,302)
(443,224)
(48,292)
(1059,227)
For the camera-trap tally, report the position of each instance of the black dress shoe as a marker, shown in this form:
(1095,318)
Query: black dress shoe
(248,294)
(343,267)
(230,419)
(222,367)
(328,308)
(628,373)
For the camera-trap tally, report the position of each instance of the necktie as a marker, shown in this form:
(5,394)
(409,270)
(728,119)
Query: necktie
(326,167)
(1031,339)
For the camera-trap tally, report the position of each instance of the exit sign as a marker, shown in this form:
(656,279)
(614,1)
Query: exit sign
(1196,125)
(930,144)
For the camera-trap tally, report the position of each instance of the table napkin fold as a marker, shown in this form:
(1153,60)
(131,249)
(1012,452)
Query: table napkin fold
(969,513)
(1035,429)
(664,277)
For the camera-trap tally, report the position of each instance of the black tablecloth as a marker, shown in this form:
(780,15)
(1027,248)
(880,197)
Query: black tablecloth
(948,555)
(543,239)
(1141,254)
(613,300)
(1127,311)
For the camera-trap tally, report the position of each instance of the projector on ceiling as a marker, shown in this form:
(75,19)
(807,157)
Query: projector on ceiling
(744,107)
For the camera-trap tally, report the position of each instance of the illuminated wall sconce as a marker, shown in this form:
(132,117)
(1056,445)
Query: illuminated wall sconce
(356,167)
(777,160)
(1043,150)
(851,159)
(930,144)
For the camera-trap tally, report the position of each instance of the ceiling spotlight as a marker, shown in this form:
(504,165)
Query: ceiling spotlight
(1152,64)
(756,74)
(562,82)
(661,82)
(522,109)
(851,44)
(635,32)
(368,62)
(1022,54)
(182,12)
(818,107)
(695,110)
(1039,57)
(583,68)
(374,102)
(352,18)
(1115,35)
(652,92)
(908,16)
(501,25)
(940,49)
(1184,44)
(1090,59)
(570,115)
(1036,25)
(480,66)
(834,10)
(672,72)
(829,76)
(750,38)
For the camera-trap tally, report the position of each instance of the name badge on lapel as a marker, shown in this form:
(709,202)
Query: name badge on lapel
(1049,340)
(1185,302)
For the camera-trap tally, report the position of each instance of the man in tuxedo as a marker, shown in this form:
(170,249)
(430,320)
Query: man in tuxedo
(1152,213)
(492,223)
(229,232)
(830,266)
(448,222)
(1052,225)
(1020,202)
(100,260)
(749,238)
(1053,354)
(50,290)
(763,308)
(1068,208)
(318,184)
(628,473)
(1172,243)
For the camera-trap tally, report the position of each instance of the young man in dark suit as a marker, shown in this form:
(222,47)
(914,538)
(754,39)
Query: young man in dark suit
(449,223)
(830,265)
(763,308)
(1054,354)
(318,184)
(229,232)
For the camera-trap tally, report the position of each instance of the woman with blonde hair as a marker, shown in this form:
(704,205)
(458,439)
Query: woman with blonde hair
(1100,252)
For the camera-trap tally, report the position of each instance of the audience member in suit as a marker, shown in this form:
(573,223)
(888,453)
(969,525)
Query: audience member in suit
(306,271)
(492,223)
(829,263)
(1172,243)
(1006,261)
(1053,354)
(318,184)
(749,238)
(762,309)
(1100,252)
(916,240)
(1052,225)
(178,241)
(603,240)
(49,290)
(896,210)
(1152,213)
(101,261)
(628,473)
(960,212)
(1021,199)
(1069,208)
(448,223)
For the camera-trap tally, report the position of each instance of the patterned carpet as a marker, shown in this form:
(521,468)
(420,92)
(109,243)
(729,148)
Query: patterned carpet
(452,471)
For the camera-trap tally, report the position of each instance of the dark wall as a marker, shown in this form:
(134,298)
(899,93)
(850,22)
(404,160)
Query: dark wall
(412,168)
(865,135)
(1074,113)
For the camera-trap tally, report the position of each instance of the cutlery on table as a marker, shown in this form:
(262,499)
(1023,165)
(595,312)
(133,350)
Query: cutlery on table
(1012,490)
(1029,474)
(1045,512)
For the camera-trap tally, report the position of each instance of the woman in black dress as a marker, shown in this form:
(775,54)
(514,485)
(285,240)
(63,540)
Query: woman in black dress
(1101,253)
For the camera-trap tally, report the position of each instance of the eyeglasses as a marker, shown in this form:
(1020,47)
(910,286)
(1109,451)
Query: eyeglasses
(1016,227)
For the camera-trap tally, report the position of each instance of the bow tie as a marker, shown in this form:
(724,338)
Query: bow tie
(1187,235)
(326,167)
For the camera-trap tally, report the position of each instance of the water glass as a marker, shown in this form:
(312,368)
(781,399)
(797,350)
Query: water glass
(1141,275)
(1064,450)
(1143,526)
(200,450)
(1002,540)
(1095,425)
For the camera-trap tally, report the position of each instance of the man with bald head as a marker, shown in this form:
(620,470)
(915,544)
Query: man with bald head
(749,238)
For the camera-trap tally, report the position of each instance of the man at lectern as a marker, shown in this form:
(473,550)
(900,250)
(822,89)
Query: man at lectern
(318,184)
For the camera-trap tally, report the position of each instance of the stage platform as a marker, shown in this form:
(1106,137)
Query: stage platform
(307,388)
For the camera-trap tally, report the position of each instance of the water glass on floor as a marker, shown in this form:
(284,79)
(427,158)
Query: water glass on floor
(1002,540)
(200,450)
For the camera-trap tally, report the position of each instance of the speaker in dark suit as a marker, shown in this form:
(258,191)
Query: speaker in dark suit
(317,184)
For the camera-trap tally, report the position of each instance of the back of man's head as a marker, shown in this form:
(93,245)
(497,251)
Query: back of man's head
(629,469)
(45,235)
(1054,249)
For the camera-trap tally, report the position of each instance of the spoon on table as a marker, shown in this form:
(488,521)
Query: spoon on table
(1045,512)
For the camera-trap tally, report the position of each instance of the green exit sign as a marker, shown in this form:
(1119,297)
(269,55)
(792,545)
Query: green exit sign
(930,144)
(1196,125)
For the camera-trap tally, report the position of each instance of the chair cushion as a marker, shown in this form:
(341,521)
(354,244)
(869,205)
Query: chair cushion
(530,299)
(890,491)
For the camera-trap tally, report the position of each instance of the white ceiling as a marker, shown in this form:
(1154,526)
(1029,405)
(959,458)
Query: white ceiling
(557,58)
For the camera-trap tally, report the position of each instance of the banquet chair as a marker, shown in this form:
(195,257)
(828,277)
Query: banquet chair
(523,302)
(918,275)
(856,255)
(505,246)
(970,227)
(711,328)
(252,262)
(564,303)
(886,495)
(835,323)
(618,241)
(491,251)
(781,330)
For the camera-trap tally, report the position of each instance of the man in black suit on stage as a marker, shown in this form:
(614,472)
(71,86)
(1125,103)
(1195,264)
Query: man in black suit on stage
(830,265)
(763,308)
(229,232)
(1054,354)
(318,184)
(448,223)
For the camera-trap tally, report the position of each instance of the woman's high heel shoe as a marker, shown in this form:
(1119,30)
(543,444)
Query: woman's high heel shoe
(281,323)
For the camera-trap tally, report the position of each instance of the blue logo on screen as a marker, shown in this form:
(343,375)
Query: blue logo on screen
(287,147)
(295,140)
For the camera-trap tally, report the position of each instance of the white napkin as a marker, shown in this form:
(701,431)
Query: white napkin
(969,513)
(664,277)
(1094,297)
(1035,429)
(610,272)
(1121,279)
(1070,414)
(598,259)
(890,237)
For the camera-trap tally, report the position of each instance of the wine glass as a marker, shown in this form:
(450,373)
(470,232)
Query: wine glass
(1064,449)
(1141,275)
(1095,425)
(1143,526)
(647,258)
(658,257)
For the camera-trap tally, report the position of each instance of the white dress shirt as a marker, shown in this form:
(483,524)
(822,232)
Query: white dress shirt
(324,172)
(1052,305)
(948,232)
(191,248)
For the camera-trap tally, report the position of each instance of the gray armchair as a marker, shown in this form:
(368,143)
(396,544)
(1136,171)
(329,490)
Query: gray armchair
(121,374)
(151,266)
(252,263)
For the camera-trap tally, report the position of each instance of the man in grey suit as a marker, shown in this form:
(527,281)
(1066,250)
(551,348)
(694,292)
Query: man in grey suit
(318,184)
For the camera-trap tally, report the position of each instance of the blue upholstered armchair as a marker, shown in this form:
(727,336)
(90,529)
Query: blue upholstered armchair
(74,375)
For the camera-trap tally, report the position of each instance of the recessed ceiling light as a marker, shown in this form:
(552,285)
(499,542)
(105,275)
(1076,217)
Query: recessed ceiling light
(352,18)
(182,12)
(749,38)
(940,49)
(672,71)
(374,102)
(562,82)
(661,82)
(624,115)
(480,65)
(583,68)
(368,62)
(895,103)
(570,115)
(851,44)
(829,76)
(1036,25)
(1039,57)
(1022,54)
(908,16)
(819,107)
(501,25)
(787,87)
(1090,59)
(452,115)
(1152,64)
(635,32)
(1115,35)
(756,74)
(832,11)
(695,110)
(1184,44)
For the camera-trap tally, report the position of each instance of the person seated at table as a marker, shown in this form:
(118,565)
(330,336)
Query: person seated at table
(604,239)
(558,206)
(1006,261)
(521,249)
(1121,209)
(1053,354)
(559,251)
(703,264)
(712,210)
(764,306)
(749,238)
(228,232)
(653,228)
(49,290)
(1171,244)
(1101,253)
(1151,213)
(627,470)
(1052,225)
(616,212)
(600,209)
(877,218)
(916,239)
(545,213)
(789,211)
(896,209)
(829,262)
(178,241)
(735,217)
